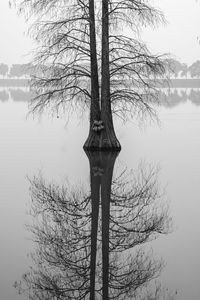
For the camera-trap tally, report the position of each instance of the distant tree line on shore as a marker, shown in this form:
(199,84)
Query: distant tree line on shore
(182,70)
(177,70)
(16,70)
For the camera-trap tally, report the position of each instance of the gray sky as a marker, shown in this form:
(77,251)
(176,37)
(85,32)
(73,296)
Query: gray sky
(179,37)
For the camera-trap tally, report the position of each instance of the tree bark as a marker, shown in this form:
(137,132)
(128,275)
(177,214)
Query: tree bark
(108,162)
(108,137)
(93,139)
(95,181)
(101,172)
(103,138)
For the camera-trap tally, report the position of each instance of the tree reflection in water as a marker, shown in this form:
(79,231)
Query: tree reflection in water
(89,245)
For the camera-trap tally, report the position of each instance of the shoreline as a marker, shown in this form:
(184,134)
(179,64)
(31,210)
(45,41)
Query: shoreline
(173,83)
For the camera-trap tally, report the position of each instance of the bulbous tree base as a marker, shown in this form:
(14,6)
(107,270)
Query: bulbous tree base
(102,141)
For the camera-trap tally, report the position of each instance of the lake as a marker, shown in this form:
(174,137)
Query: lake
(52,149)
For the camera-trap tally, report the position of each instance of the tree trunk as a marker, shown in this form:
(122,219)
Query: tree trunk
(101,172)
(101,136)
(108,162)
(93,138)
(108,139)
(95,181)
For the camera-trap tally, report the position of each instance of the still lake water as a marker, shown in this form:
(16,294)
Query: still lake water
(30,147)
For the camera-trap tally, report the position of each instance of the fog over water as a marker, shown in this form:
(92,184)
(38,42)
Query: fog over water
(49,147)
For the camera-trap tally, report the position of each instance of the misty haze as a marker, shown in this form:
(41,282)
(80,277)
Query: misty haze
(99,156)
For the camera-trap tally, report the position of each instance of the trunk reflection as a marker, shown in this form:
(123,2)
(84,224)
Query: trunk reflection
(89,245)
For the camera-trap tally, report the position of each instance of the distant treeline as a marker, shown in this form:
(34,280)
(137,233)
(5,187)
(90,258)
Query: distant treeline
(177,70)
(168,97)
(182,70)
(16,70)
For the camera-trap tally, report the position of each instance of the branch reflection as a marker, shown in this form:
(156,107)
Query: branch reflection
(90,245)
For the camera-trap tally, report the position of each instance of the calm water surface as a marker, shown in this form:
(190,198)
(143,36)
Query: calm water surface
(50,148)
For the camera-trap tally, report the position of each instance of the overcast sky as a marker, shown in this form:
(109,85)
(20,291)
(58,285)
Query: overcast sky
(179,37)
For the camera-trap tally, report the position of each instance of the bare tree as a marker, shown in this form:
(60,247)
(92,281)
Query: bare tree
(88,243)
(84,58)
